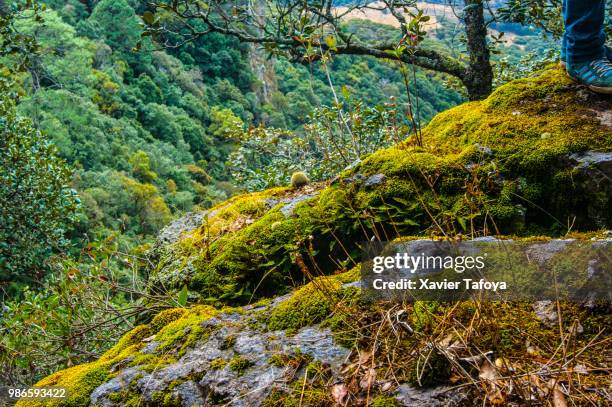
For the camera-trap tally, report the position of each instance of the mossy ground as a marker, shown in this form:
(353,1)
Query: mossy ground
(490,167)
(519,344)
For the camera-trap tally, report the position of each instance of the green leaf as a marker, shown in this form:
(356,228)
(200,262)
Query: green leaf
(148,17)
(462,222)
(330,40)
(182,298)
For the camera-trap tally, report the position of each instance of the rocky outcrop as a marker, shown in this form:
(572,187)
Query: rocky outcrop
(277,350)
(533,158)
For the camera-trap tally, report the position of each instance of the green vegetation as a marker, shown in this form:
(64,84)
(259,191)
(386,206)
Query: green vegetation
(81,380)
(37,205)
(514,176)
(299,179)
(239,364)
(107,136)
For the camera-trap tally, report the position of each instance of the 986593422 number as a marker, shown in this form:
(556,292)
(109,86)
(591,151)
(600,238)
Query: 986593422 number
(35,392)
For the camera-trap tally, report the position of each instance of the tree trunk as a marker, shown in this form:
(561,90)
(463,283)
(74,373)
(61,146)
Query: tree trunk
(479,75)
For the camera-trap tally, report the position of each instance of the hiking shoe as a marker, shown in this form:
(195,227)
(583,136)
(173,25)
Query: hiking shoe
(597,74)
(607,54)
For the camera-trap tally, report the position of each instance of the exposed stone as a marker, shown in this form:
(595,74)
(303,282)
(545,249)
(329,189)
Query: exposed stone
(542,252)
(590,159)
(354,179)
(119,383)
(375,180)
(484,149)
(430,397)
(175,229)
(546,312)
(189,393)
(287,210)
(247,388)
(596,168)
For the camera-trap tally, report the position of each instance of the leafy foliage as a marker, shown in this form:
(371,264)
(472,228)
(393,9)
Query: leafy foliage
(37,205)
(84,304)
(335,137)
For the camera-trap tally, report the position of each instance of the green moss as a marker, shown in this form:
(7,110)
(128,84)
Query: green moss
(178,329)
(385,401)
(294,360)
(165,317)
(218,364)
(299,179)
(308,305)
(500,159)
(228,342)
(186,330)
(79,382)
(484,164)
(423,316)
(239,364)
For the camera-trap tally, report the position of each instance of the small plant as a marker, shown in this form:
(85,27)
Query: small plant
(299,179)
(218,364)
(295,360)
(239,364)
(228,342)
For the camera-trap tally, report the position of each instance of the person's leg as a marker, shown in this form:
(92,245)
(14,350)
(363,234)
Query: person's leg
(564,38)
(584,35)
(585,51)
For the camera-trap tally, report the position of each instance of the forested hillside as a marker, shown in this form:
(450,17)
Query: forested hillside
(149,132)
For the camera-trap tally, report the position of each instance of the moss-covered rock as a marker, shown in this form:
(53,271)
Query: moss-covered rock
(499,166)
(325,342)
(173,329)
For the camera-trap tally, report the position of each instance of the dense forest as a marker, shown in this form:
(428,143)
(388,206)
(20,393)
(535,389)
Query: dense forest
(134,134)
(150,133)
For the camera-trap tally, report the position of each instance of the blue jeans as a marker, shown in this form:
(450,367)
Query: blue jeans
(584,36)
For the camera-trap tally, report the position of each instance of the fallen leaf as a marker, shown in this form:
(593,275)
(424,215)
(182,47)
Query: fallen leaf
(385,386)
(504,365)
(368,379)
(488,374)
(558,396)
(339,393)
(364,357)
(445,343)
(581,369)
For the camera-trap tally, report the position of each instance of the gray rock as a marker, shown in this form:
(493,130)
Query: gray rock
(175,229)
(290,205)
(150,348)
(352,165)
(484,150)
(430,397)
(489,239)
(189,393)
(595,168)
(375,180)
(272,202)
(598,159)
(542,252)
(546,312)
(248,388)
(119,383)
(195,382)
(354,179)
